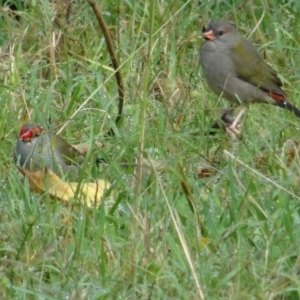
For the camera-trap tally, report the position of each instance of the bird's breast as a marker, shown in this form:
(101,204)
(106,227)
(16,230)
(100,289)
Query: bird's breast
(217,67)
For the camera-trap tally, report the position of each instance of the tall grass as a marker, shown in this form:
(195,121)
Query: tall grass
(168,234)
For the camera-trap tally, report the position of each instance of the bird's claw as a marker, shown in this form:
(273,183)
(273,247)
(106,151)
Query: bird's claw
(234,131)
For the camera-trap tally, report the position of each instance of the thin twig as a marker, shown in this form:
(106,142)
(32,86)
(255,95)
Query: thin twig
(114,60)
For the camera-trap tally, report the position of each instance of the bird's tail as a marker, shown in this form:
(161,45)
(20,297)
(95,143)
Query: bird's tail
(280,100)
(289,106)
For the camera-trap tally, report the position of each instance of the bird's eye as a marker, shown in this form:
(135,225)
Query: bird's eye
(221,32)
(37,131)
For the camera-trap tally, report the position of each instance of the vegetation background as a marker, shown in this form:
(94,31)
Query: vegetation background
(199,217)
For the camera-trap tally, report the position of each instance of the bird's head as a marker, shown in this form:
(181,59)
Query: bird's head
(30,131)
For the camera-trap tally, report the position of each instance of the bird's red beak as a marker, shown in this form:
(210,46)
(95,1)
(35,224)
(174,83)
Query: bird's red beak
(26,135)
(209,35)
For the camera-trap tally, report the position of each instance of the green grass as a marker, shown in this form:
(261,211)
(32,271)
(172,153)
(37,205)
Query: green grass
(240,240)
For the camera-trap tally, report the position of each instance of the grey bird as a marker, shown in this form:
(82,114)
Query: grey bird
(36,149)
(234,69)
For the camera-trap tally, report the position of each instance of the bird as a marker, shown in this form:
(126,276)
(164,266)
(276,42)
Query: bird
(234,69)
(35,149)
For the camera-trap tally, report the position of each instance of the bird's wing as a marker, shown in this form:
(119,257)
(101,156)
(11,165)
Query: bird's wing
(250,67)
(63,148)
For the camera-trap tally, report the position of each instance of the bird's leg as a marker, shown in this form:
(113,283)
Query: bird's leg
(225,119)
(234,130)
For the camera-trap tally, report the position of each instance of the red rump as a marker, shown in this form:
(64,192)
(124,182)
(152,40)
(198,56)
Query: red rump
(277,97)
